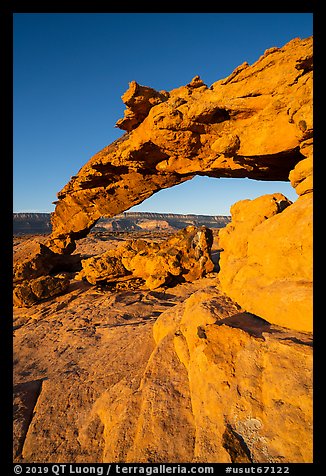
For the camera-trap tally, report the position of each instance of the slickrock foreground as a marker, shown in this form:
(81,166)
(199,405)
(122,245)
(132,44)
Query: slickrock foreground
(182,375)
(216,369)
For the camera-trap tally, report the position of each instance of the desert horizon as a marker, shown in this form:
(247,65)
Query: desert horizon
(173,338)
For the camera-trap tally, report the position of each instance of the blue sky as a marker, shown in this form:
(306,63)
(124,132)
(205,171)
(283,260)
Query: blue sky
(70,71)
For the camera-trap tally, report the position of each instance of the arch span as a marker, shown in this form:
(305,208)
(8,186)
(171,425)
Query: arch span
(251,124)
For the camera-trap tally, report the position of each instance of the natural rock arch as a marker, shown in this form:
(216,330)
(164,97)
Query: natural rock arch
(252,124)
(226,386)
(257,123)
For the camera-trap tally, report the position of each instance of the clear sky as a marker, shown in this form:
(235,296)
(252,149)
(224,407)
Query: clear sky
(70,71)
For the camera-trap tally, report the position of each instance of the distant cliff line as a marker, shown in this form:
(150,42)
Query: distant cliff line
(151,215)
(164,216)
(30,223)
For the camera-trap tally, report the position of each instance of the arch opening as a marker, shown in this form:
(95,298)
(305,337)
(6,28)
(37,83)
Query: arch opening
(197,202)
(203,195)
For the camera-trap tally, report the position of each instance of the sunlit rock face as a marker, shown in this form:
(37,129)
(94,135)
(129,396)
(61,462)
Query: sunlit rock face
(256,123)
(267,262)
(218,368)
(183,257)
(215,384)
(246,380)
(250,124)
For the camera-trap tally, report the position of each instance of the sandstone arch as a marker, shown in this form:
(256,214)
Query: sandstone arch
(252,124)
(219,382)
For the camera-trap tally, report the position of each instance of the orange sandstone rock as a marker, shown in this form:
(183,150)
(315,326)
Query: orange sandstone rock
(301,176)
(266,263)
(185,256)
(139,100)
(267,258)
(250,124)
(250,382)
(256,123)
(31,291)
(228,375)
(216,384)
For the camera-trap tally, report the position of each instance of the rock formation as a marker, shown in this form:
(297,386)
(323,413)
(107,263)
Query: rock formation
(243,397)
(256,123)
(250,124)
(184,256)
(39,260)
(35,270)
(268,248)
(216,384)
(31,291)
(228,375)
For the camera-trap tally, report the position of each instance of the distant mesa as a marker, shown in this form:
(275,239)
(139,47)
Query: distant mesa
(40,223)
(31,223)
(160,352)
(256,123)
